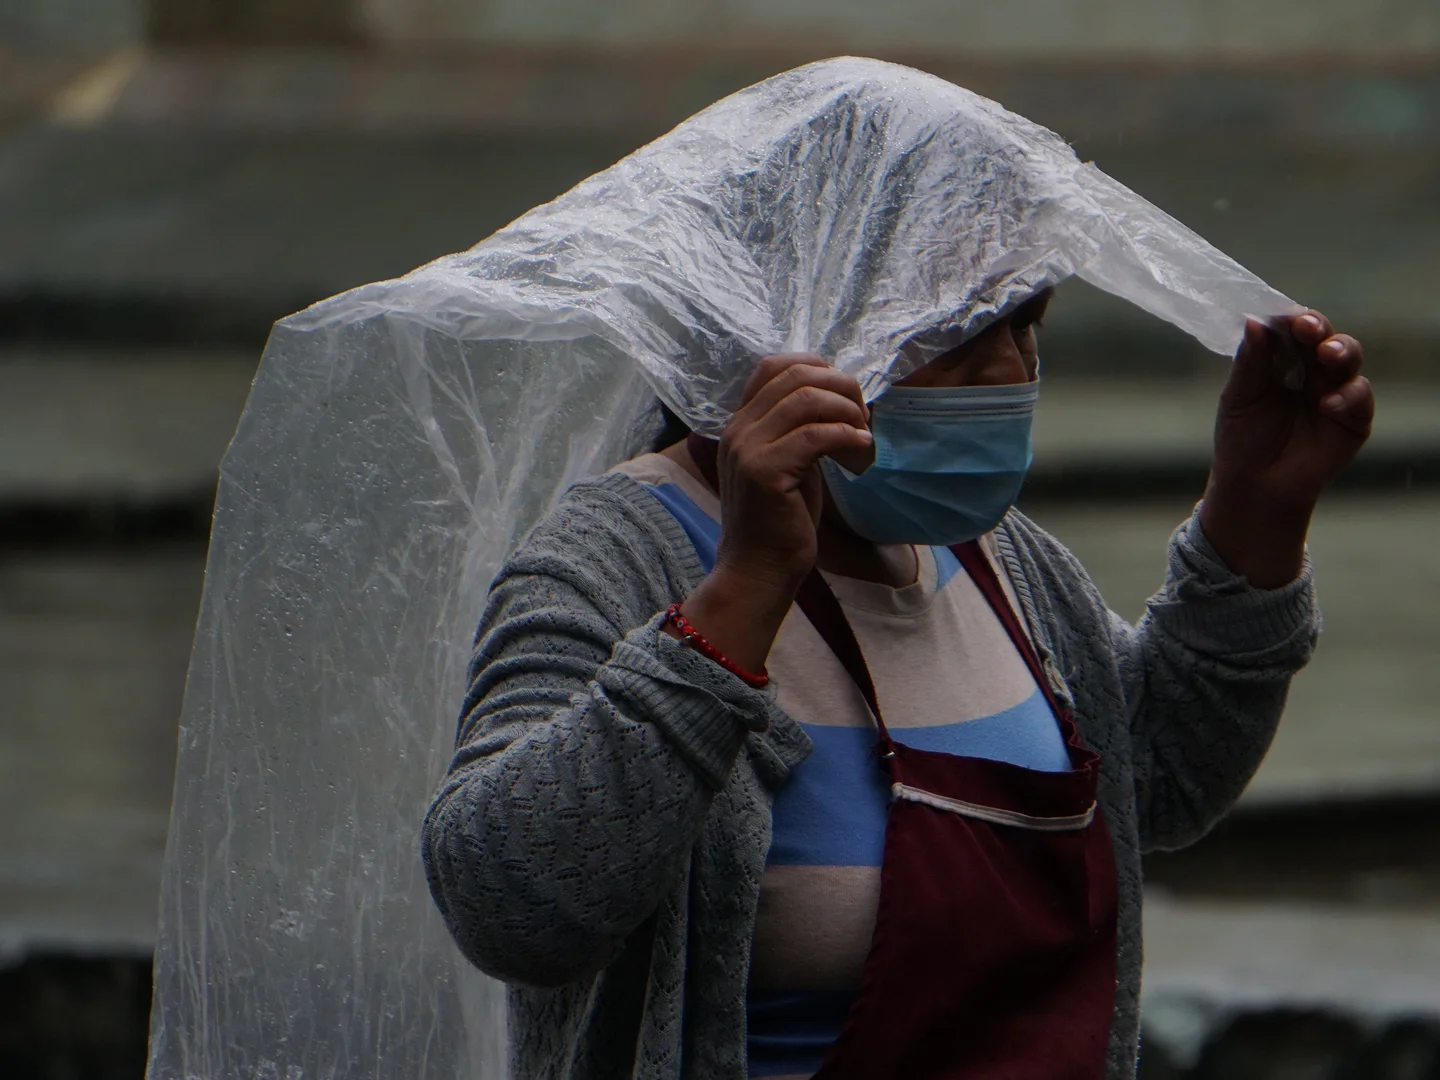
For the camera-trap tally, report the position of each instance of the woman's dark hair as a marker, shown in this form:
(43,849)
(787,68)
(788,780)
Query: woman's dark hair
(672,430)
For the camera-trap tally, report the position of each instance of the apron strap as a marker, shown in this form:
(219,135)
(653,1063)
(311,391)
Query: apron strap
(982,572)
(819,604)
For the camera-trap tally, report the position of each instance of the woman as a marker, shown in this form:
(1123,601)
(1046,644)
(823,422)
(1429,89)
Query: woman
(805,755)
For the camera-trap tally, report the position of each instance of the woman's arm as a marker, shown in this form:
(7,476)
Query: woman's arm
(1205,676)
(589,747)
(1207,670)
(593,738)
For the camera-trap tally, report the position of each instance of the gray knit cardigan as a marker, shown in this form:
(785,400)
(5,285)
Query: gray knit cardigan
(599,839)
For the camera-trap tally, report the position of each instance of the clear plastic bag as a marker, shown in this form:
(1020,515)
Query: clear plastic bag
(401,438)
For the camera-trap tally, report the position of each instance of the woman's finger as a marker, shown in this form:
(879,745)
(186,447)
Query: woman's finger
(809,403)
(803,446)
(793,377)
(1340,357)
(1311,328)
(1352,406)
(771,367)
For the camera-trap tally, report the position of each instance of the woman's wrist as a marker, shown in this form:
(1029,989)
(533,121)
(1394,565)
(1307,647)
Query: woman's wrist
(738,614)
(1262,540)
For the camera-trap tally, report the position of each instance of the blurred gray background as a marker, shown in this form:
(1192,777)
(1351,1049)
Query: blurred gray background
(176,174)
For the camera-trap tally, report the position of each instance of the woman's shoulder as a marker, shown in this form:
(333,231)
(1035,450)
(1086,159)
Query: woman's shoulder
(614,505)
(1057,581)
(608,530)
(650,469)
(673,474)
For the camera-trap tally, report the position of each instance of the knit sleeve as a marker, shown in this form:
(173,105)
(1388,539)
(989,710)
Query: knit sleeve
(1205,676)
(590,745)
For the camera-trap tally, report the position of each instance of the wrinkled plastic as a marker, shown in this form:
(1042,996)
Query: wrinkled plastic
(400,438)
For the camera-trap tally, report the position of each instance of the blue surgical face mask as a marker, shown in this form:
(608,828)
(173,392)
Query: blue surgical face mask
(949,463)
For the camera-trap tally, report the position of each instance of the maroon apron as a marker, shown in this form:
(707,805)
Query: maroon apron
(993,956)
(994,949)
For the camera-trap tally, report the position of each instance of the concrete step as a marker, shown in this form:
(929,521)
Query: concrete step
(93,653)
(134,427)
(1083,422)
(1206,963)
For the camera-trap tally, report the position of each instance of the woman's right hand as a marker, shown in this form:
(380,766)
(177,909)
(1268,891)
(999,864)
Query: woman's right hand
(795,410)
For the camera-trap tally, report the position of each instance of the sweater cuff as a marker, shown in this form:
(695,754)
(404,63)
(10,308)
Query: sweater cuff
(1215,611)
(702,708)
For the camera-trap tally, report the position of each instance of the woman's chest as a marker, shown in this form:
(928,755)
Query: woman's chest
(949,679)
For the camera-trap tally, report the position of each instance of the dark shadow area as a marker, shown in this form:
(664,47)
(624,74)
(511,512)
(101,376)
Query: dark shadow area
(142,320)
(1381,849)
(74,1018)
(1108,482)
(105,524)
(1282,1045)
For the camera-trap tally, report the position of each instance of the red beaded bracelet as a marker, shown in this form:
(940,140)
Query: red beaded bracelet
(696,641)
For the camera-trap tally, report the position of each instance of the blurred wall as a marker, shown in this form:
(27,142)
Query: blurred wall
(30,24)
(254,21)
(1102,28)
(160,206)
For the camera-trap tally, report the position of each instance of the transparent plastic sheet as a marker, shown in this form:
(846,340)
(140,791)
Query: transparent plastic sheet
(400,439)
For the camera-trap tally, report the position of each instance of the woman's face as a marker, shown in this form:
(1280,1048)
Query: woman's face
(1003,353)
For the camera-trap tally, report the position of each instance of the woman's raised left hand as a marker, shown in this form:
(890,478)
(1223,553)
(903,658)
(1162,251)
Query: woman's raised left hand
(1294,412)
